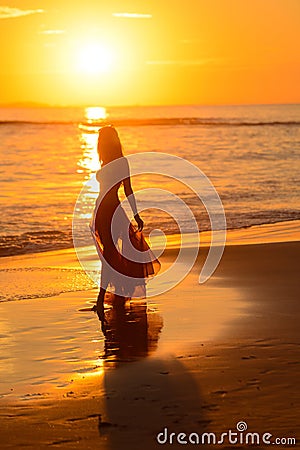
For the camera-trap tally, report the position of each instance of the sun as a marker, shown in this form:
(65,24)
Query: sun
(94,58)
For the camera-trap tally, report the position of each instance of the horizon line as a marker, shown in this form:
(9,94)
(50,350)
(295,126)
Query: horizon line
(29,104)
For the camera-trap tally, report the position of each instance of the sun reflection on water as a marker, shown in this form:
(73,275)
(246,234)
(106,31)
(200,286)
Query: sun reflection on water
(89,161)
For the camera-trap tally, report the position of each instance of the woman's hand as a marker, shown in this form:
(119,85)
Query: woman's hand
(139,222)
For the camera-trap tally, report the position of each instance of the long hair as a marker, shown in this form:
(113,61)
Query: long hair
(109,145)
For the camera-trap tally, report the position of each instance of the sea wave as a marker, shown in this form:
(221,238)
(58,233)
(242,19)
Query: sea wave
(213,122)
(41,282)
(42,241)
(34,242)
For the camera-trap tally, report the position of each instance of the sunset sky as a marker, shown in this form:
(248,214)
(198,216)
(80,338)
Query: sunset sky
(150,52)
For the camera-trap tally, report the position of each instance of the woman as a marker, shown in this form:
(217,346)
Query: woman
(125,256)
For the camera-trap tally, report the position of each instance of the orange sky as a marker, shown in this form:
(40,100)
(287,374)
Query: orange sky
(150,52)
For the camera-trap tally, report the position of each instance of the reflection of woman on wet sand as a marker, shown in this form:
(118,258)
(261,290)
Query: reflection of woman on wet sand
(122,248)
(131,332)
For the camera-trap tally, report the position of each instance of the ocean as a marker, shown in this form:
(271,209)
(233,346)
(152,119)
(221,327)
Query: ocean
(249,153)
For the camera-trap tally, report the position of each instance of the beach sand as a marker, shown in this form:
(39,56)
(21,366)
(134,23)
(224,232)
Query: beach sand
(198,358)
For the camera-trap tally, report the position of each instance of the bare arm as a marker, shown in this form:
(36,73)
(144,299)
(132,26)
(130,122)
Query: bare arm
(130,195)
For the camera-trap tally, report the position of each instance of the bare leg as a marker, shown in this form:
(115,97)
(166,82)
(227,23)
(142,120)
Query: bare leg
(119,302)
(100,300)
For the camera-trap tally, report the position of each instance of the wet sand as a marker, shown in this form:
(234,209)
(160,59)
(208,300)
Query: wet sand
(199,358)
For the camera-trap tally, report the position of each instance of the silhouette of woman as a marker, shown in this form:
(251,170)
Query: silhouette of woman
(126,258)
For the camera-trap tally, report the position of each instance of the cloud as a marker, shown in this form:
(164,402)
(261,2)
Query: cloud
(9,13)
(132,15)
(52,32)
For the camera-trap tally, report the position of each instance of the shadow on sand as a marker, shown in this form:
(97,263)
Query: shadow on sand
(145,393)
